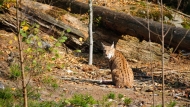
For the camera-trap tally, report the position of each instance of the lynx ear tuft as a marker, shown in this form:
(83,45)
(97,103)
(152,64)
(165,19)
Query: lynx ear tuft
(112,46)
(102,44)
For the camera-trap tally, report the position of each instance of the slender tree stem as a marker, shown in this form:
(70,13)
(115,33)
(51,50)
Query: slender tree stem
(150,61)
(21,55)
(90,33)
(162,54)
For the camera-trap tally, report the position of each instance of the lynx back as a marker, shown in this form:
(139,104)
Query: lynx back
(122,74)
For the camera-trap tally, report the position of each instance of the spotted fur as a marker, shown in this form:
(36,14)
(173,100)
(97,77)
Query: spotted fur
(122,74)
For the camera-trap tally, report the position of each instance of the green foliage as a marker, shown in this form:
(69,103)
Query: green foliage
(6,93)
(37,49)
(186,24)
(32,93)
(172,104)
(127,101)
(15,71)
(68,30)
(50,81)
(153,14)
(55,85)
(77,100)
(1,3)
(62,38)
(159,105)
(142,3)
(6,98)
(120,96)
(78,50)
(97,21)
(111,96)
(104,102)
(6,4)
(82,100)
(34,103)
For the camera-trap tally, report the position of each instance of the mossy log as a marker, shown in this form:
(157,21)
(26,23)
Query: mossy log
(121,23)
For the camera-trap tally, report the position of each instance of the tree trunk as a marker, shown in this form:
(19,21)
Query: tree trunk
(90,61)
(121,23)
(47,23)
(20,48)
(131,47)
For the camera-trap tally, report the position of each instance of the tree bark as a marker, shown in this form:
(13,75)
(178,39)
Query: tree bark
(47,23)
(132,48)
(121,23)
(90,61)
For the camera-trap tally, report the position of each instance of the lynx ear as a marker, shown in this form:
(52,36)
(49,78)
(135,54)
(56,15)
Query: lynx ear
(102,44)
(112,46)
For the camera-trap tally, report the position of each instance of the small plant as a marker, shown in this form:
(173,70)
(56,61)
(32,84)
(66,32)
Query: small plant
(6,98)
(6,93)
(55,85)
(1,3)
(186,24)
(111,96)
(104,102)
(50,81)
(157,106)
(39,48)
(35,103)
(6,4)
(82,100)
(172,104)
(15,71)
(127,101)
(97,21)
(32,93)
(120,96)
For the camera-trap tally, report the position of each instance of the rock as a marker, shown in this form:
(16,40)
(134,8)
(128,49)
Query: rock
(2,86)
(69,71)
(10,58)
(132,106)
(104,86)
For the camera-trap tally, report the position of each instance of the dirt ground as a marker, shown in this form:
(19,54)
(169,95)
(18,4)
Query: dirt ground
(78,77)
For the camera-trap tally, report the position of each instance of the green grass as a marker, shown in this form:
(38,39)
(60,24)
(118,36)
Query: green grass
(49,80)
(6,93)
(120,96)
(127,101)
(111,96)
(82,100)
(15,71)
(34,103)
(172,104)
(6,97)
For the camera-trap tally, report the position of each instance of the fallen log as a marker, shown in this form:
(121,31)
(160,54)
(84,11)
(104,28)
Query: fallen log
(47,23)
(39,13)
(124,24)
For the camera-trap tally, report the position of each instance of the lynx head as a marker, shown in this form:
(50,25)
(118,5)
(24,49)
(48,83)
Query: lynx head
(108,50)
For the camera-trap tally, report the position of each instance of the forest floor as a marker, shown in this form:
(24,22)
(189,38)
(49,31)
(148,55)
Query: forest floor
(78,77)
(73,75)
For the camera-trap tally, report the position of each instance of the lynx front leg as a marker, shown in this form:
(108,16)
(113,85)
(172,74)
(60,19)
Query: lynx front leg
(117,79)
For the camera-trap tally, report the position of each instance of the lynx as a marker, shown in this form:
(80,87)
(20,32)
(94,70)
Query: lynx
(122,74)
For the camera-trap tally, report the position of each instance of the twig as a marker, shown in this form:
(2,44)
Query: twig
(176,11)
(87,80)
(181,41)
